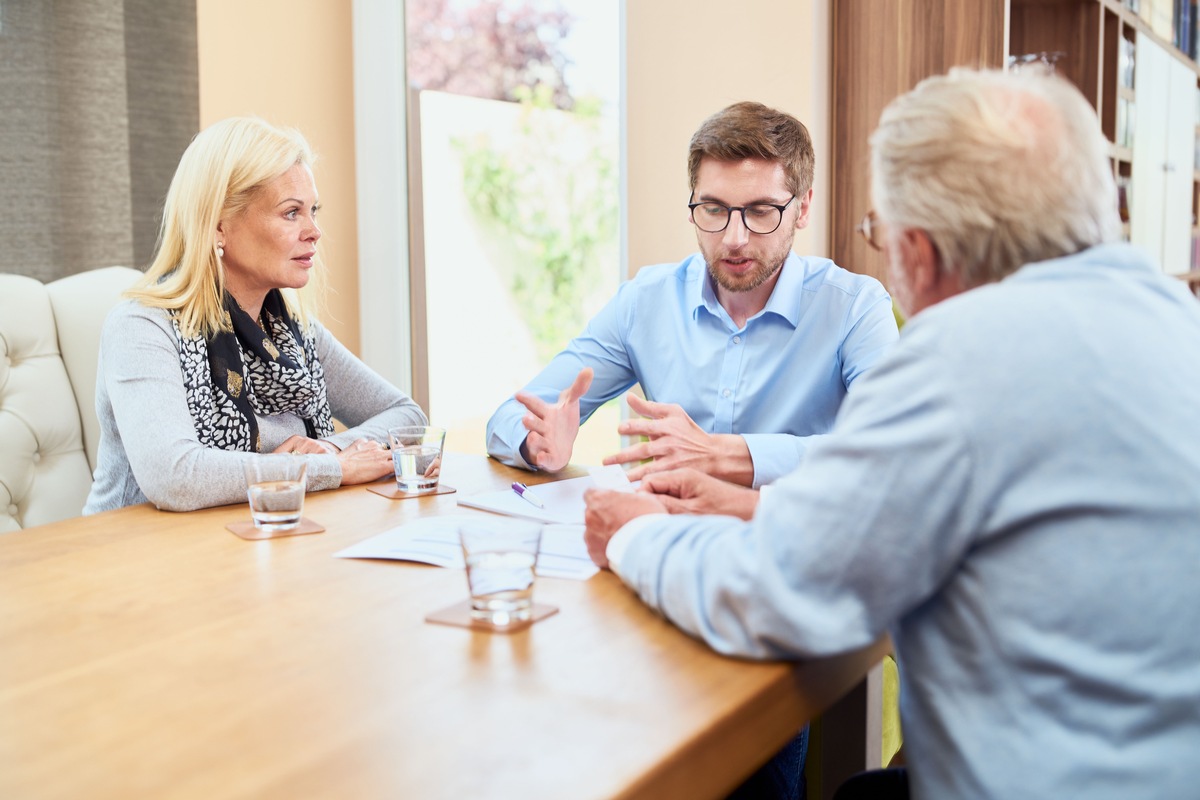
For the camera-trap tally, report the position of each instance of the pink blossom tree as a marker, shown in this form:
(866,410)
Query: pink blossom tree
(488,48)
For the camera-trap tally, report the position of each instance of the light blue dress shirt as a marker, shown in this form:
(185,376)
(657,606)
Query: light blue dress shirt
(778,381)
(1013,493)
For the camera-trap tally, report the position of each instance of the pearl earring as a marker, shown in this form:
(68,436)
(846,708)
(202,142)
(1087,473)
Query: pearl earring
(220,251)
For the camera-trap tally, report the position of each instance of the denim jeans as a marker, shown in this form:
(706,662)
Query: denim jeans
(781,778)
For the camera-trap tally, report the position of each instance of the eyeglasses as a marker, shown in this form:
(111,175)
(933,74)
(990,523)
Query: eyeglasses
(761,218)
(871,229)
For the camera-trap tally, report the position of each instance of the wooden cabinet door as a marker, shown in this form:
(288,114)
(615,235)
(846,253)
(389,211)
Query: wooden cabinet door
(881,49)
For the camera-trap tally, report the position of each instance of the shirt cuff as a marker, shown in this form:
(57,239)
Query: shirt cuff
(773,455)
(324,472)
(519,457)
(618,545)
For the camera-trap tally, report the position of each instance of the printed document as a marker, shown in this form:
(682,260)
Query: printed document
(434,540)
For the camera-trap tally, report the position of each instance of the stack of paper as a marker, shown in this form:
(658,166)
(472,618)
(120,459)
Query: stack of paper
(562,500)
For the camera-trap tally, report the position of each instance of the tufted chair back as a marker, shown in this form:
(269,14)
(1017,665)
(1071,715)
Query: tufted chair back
(49,340)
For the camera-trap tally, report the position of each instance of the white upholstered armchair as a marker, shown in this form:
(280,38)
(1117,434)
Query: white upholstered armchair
(49,339)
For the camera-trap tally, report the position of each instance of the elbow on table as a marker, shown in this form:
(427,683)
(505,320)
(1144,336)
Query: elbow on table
(165,499)
(184,490)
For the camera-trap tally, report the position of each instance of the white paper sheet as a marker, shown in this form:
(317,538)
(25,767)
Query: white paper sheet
(434,540)
(563,500)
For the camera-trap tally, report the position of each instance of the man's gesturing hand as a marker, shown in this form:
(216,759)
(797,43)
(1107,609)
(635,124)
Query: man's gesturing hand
(553,426)
(676,441)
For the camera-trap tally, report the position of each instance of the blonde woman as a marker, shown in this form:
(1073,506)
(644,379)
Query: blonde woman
(215,357)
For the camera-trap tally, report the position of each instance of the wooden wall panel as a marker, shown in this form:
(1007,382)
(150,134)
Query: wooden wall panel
(1070,28)
(881,49)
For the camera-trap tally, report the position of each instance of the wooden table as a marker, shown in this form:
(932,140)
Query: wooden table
(151,654)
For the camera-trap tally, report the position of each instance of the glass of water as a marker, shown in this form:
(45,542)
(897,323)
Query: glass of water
(417,456)
(275,486)
(501,556)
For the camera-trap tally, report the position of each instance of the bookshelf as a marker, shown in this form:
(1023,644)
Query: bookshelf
(1134,60)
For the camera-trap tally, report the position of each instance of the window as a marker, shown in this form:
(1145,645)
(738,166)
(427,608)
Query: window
(513,163)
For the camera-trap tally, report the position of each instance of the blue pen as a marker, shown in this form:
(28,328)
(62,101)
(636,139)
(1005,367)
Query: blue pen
(523,491)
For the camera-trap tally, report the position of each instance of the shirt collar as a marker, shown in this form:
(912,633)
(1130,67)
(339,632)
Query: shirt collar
(784,302)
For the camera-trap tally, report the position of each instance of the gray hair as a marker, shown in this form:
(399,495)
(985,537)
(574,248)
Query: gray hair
(1001,169)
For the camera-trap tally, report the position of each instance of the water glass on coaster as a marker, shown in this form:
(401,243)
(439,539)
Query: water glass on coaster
(501,555)
(275,486)
(417,457)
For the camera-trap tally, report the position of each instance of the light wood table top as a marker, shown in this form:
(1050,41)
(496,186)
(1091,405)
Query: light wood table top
(151,654)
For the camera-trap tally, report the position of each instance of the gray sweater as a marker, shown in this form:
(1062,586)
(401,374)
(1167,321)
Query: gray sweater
(148,446)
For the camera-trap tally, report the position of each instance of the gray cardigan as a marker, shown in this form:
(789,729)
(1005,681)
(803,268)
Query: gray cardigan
(148,446)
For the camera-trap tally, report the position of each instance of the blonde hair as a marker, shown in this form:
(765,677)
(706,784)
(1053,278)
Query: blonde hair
(1001,169)
(217,177)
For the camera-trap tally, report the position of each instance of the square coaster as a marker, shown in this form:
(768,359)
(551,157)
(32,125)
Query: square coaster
(248,531)
(392,492)
(459,615)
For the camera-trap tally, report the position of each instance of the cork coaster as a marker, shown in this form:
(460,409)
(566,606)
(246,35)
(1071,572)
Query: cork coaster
(459,615)
(249,532)
(391,491)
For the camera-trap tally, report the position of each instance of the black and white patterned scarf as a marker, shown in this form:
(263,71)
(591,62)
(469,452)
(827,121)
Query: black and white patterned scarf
(242,372)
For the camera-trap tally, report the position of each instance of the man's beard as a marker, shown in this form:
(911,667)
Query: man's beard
(761,273)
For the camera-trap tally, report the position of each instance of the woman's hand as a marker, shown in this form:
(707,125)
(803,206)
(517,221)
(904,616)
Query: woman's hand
(304,445)
(364,461)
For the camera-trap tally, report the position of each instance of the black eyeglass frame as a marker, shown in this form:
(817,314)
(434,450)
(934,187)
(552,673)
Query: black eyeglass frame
(741,210)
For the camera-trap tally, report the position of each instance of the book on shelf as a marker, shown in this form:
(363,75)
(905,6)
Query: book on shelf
(1124,184)
(1194,30)
(1159,15)
(1126,62)
(1182,19)
(1125,122)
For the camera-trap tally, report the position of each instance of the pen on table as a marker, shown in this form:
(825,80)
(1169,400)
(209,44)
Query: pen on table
(523,490)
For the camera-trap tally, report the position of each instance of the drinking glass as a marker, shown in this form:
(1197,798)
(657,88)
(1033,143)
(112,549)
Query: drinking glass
(501,556)
(417,456)
(275,486)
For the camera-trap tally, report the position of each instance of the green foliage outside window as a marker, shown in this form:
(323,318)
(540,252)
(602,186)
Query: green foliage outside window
(550,192)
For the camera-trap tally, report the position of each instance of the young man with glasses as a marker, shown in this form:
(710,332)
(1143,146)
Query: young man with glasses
(744,350)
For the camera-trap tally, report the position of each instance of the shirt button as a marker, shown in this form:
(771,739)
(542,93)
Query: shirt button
(12,510)
(737,340)
(726,393)
(37,457)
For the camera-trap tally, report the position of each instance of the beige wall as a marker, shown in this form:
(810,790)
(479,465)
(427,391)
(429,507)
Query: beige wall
(774,52)
(290,63)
